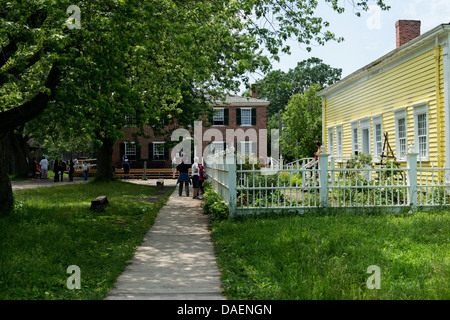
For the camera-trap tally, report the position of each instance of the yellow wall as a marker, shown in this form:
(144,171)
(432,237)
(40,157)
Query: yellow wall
(403,86)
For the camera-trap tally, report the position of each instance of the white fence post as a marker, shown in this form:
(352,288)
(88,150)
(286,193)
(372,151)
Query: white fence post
(412,176)
(323,168)
(231,166)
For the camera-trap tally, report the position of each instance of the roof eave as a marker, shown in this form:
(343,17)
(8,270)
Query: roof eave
(379,63)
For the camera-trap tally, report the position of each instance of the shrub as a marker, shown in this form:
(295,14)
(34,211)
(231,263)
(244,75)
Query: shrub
(213,204)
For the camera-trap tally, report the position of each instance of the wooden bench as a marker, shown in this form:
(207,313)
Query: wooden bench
(99,203)
(155,173)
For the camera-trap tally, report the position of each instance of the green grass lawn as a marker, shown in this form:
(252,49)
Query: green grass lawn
(53,228)
(326,256)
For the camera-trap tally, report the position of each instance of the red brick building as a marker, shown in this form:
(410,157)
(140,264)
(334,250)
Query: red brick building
(238,121)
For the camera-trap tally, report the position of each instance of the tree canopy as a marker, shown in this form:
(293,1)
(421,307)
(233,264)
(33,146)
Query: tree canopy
(278,86)
(139,56)
(303,124)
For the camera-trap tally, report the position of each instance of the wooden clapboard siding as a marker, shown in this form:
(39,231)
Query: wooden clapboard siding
(401,87)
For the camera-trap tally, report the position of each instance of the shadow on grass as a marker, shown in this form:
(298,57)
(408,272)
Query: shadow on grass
(53,228)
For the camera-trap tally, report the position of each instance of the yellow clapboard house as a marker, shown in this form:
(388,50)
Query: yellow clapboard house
(404,94)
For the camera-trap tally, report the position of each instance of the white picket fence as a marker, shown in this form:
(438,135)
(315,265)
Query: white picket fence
(299,187)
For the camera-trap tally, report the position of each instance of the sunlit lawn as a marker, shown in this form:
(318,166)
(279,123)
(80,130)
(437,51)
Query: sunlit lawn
(327,256)
(53,228)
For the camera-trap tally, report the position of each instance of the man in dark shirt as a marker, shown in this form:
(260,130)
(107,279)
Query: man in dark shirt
(183,178)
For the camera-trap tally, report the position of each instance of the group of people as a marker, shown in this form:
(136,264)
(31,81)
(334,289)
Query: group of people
(40,169)
(198,176)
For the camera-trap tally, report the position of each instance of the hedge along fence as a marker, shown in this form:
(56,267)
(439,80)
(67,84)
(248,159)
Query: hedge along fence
(247,188)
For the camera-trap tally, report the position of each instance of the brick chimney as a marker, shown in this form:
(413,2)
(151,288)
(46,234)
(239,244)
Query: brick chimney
(254,91)
(407,30)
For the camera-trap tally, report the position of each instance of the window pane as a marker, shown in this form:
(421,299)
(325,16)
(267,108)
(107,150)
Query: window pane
(218,118)
(422,124)
(402,128)
(218,147)
(422,134)
(339,143)
(246,117)
(378,139)
(158,150)
(355,140)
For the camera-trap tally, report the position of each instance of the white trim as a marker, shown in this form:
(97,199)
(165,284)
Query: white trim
(377,120)
(330,146)
(364,125)
(400,114)
(446,63)
(355,140)
(421,109)
(339,147)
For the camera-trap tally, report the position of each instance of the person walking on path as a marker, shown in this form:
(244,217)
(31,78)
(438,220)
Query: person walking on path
(195,177)
(126,167)
(44,168)
(201,178)
(183,178)
(85,168)
(35,170)
(56,171)
(62,168)
(71,170)
(174,167)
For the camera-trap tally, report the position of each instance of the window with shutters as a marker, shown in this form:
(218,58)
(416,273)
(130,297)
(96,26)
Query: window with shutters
(158,150)
(246,116)
(219,117)
(130,150)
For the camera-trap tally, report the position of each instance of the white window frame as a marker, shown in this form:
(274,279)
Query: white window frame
(246,148)
(377,121)
(364,125)
(331,141)
(130,119)
(339,146)
(218,146)
(355,139)
(219,116)
(249,118)
(399,115)
(157,152)
(419,110)
(130,149)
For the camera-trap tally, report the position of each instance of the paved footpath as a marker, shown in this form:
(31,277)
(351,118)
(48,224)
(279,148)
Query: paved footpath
(39,183)
(176,260)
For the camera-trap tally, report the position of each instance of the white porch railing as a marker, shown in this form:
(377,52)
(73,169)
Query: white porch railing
(249,189)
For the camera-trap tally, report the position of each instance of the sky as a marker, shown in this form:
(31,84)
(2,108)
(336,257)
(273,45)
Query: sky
(366,38)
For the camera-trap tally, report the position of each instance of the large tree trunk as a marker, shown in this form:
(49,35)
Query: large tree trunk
(104,160)
(6,194)
(16,154)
